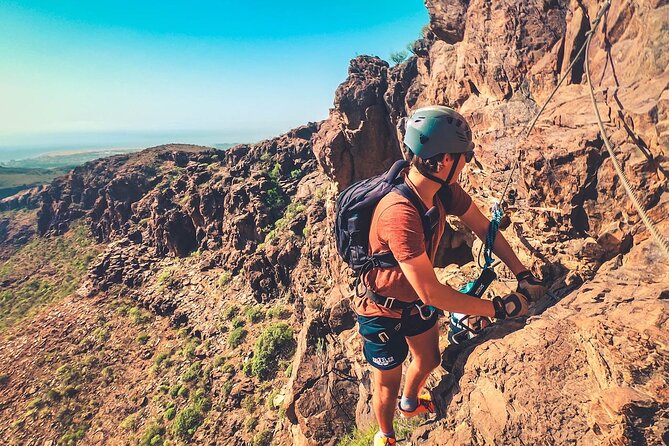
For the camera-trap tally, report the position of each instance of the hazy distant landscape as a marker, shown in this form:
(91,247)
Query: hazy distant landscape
(24,173)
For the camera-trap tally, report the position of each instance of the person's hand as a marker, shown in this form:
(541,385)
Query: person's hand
(531,287)
(510,306)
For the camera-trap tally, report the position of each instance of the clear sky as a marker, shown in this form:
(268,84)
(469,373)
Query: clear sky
(117,71)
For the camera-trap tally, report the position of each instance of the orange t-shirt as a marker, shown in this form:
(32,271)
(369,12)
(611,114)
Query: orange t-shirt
(397,227)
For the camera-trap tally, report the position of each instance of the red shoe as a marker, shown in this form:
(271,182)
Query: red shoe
(425,406)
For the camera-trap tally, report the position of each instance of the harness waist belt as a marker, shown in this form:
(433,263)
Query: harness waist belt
(391,302)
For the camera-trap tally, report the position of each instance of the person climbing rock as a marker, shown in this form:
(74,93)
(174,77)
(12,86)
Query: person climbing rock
(396,313)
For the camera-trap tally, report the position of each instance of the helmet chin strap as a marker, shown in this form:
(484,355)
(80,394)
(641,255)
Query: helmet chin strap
(434,178)
(454,167)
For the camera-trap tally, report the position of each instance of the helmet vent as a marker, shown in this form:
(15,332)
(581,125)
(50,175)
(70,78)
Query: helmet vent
(424,139)
(449,119)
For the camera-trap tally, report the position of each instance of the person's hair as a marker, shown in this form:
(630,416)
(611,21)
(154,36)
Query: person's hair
(425,166)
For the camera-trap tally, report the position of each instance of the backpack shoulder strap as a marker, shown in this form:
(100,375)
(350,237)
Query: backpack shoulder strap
(426,215)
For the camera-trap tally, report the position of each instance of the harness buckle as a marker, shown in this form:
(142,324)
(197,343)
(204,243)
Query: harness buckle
(389,302)
(384,337)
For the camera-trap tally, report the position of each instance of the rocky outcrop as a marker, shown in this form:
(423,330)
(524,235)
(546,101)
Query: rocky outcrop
(571,220)
(359,138)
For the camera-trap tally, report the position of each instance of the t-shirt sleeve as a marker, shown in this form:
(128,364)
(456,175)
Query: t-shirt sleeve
(399,226)
(460,201)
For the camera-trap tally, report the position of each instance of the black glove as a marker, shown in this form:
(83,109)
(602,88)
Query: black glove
(530,286)
(510,306)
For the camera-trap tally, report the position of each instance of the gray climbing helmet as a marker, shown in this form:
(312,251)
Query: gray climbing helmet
(437,129)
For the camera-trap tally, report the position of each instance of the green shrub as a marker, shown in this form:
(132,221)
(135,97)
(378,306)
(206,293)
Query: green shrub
(398,57)
(130,423)
(170,412)
(263,438)
(174,390)
(186,423)
(153,436)
(200,401)
(236,337)
(75,434)
(237,322)
(162,360)
(68,375)
(183,392)
(248,403)
(142,338)
(230,312)
(275,172)
(295,174)
(279,312)
(224,278)
(275,343)
(193,372)
(250,423)
(36,403)
(359,438)
(107,374)
(274,197)
(254,314)
(53,395)
(219,360)
(188,350)
(137,316)
(226,387)
(100,334)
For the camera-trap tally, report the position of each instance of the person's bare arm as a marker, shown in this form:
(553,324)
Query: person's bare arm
(478,223)
(420,274)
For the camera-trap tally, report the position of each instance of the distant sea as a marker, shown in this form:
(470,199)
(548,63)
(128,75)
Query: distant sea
(56,145)
(42,157)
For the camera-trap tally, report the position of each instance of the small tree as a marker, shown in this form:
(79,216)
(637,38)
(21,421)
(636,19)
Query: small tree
(397,57)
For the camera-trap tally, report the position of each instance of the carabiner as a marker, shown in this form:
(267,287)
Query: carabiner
(421,310)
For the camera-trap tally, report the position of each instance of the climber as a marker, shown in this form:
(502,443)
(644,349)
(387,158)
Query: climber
(396,314)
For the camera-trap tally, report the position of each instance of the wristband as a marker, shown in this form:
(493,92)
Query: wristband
(500,310)
(524,275)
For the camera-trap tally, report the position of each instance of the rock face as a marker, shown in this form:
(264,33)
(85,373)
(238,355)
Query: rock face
(571,219)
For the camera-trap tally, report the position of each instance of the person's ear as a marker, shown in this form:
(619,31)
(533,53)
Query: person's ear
(447,158)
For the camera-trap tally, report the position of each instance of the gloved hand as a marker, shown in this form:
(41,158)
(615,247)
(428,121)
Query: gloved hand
(530,286)
(510,306)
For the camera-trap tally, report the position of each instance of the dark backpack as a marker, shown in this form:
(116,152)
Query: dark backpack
(355,207)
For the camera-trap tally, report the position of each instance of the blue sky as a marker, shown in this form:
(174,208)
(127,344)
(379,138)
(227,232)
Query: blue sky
(114,72)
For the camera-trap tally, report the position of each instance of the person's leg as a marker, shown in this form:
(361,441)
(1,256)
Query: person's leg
(384,397)
(425,357)
(385,349)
